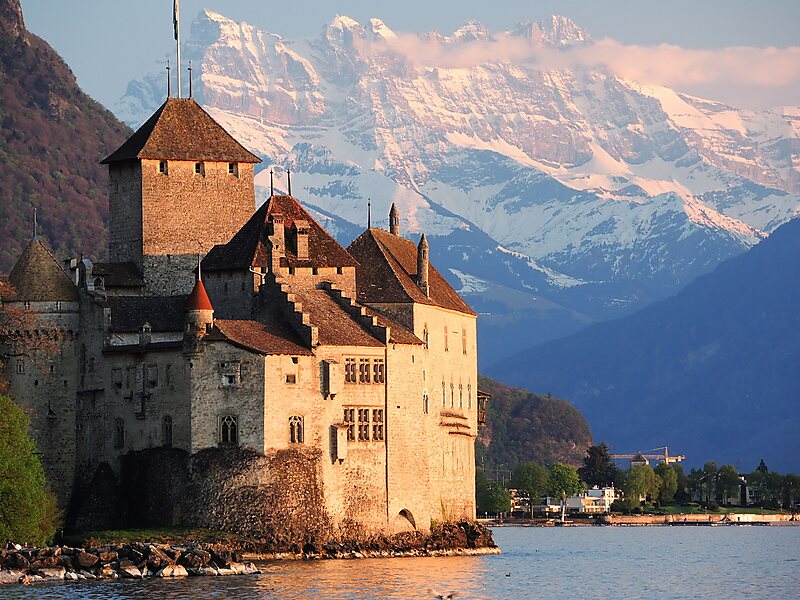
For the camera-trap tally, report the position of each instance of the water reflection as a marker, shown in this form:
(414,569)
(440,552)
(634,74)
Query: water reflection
(610,562)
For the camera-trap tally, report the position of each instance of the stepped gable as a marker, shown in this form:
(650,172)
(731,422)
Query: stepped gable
(181,130)
(250,247)
(163,313)
(121,274)
(38,276)
(388,269)
(335,326)
(264,337)
(397,333)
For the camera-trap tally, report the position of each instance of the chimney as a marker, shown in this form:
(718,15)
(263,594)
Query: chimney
(394,220)
(423,264)
(145,335)
(278,241)
(300,228)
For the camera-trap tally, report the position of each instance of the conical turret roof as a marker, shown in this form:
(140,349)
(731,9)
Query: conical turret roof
(38,276)
(198,299)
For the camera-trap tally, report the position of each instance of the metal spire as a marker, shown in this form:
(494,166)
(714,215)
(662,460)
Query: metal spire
(199,272)
(369,213)
(169,80)
(35,224)
(190,78)
(289,180)
(176,23)
(271,183)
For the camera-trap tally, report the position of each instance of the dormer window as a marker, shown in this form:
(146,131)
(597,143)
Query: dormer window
(233,169)
(199,168)
(162,167)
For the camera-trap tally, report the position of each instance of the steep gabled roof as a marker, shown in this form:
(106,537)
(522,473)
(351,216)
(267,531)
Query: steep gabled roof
(181,130)
(269,337)
(335,326)
(38,276)
(163,313)
(250,247)
(388,269)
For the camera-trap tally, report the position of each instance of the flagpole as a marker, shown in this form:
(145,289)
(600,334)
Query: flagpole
(176,17)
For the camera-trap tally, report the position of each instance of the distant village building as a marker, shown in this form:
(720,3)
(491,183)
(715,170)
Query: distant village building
(232,368)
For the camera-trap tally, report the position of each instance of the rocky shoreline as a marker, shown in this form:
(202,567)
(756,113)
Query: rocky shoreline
(183,558)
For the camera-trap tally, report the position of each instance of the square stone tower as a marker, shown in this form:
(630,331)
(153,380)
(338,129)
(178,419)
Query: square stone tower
(177,187)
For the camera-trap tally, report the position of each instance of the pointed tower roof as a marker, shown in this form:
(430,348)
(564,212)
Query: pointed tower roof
(181,130)
(38,276)
(250,247)
(198,299)
(423,242)
(387,272)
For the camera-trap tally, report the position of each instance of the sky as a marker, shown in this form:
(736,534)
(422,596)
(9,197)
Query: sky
(746,52)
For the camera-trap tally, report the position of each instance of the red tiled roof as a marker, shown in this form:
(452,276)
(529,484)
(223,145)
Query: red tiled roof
(335,325)
(250,247)
(198,299)
(270,337)
(38,277)
(397,333)
(388,269)
(181,130)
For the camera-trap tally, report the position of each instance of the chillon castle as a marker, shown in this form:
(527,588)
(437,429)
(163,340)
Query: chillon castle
(239,369)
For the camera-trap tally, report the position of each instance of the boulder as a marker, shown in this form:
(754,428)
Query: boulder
(86,560)
(52,572)
(107,557)
(173,571)
(9,577)
(70,576)
(129,570)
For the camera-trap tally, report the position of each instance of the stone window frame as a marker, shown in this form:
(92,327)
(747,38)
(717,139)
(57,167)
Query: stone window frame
(425,337)
(200,168)
(464,340)
(296,429)
(231,373)
(378,370)
(363,424)
(377,425)
(233,169)
(425,401)
(446,344)
(163,167)
(350,422)
(228,429)
(119,433)
(452,395)
(364,375)
(166,431)
(290,378)
(151,373)
(460,395)
(444,394)
(350,370)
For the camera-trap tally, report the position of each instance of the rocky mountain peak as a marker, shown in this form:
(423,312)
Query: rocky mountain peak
(472,31)
(12,23)
(555,31)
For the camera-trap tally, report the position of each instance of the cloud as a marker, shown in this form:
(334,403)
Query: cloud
(743,76)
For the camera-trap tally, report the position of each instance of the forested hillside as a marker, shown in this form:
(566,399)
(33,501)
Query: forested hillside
(522,426)
(52,139)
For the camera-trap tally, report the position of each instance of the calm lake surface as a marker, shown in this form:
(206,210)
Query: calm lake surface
(573,562)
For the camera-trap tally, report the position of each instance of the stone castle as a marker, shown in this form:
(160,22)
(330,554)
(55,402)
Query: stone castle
(238,368)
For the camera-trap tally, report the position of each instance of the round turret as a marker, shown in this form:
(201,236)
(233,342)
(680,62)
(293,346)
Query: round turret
(198,311)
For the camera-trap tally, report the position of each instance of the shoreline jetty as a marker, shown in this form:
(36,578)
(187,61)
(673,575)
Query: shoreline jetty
(181,558)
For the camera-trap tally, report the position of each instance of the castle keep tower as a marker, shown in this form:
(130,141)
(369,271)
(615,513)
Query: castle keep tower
(177,187)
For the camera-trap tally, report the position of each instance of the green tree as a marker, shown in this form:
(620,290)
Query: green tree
(682,493)
(598,468)
(640,482)
(757,483)
(669,482)
(728,483)
(28,512)
(563,482)
(531,479)
(791,491)
(491,496)
(709,480)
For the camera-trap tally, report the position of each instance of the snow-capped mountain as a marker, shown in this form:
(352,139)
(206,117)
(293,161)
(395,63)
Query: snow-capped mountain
(553,196)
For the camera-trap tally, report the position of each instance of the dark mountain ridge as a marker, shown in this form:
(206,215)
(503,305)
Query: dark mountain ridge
(713,372)
(52,138)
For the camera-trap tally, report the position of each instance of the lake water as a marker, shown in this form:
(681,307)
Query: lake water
(572,562)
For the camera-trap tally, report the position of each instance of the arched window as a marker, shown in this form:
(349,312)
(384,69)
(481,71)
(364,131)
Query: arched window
(425,401)
(444,395)
(119,434)
(296,429)
(469,395)
(460,396)
(464,340)
(425,337)
(452,395)
(446,346)
(229,430)
(166,431)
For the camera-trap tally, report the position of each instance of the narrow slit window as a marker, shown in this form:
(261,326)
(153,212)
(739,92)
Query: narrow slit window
(199,168)
(162,167)
(233,169)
